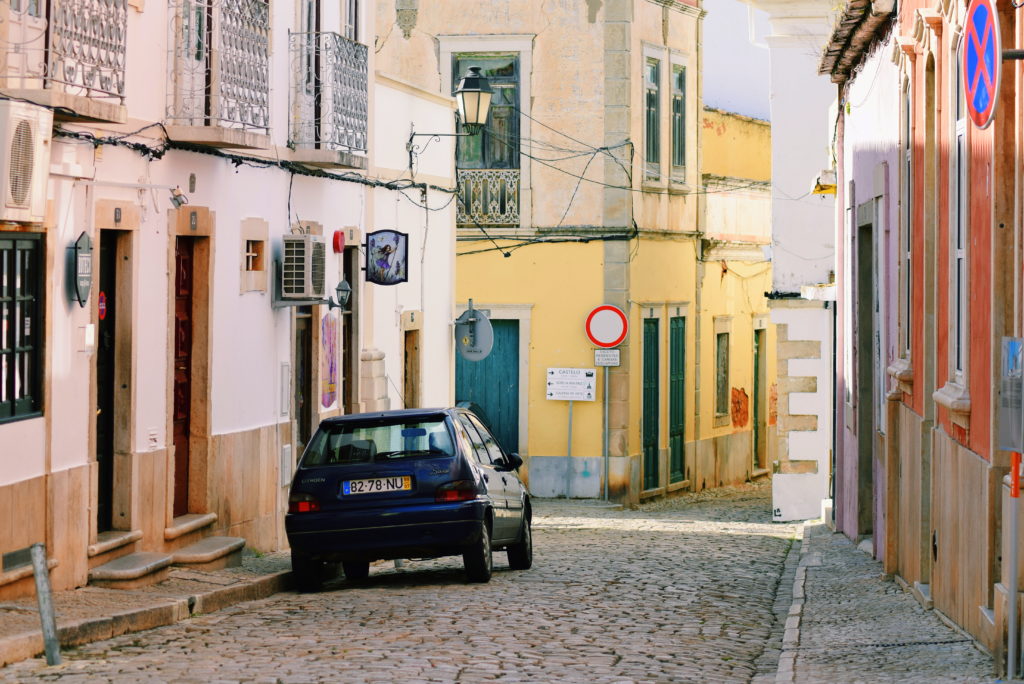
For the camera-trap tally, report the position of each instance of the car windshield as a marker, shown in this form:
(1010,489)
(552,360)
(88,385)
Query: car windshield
(354,442)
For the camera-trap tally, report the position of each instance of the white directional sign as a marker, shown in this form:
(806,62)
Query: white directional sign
(571,384)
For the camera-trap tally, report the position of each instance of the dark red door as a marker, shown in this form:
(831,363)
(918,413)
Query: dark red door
(182,370)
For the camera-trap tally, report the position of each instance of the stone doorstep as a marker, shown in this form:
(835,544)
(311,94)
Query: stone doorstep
(211,553)
(135,570)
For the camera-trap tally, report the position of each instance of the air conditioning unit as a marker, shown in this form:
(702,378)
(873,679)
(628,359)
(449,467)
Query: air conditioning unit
(302,272)
(25,132)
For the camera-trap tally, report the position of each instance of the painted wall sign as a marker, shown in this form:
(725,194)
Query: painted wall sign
(387,257)
(571,384)
(982,65)
(607,326)
(83,268)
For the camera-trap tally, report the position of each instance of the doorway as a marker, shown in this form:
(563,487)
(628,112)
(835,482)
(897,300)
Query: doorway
(493,383)
(651,408)
(865,304)
(760,423)
(184,281)
(677,399)
(411,390)
(106,370)
(303,386)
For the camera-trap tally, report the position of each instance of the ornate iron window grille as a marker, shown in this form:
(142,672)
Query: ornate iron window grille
(328,92)
(87,47)
(220,64)
(489,197)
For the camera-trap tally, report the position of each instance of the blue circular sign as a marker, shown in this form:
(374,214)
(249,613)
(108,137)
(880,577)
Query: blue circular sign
(982,64)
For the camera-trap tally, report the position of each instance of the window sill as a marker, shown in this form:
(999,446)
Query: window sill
(956,399)
(902,371)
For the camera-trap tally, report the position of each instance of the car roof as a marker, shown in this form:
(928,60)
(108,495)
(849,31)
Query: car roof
(385,415)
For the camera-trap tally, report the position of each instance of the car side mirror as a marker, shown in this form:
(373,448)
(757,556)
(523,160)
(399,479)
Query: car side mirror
(515,461)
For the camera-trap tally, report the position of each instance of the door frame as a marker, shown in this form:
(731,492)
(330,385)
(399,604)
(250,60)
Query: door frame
(124,515)
(507,312)
(197,223)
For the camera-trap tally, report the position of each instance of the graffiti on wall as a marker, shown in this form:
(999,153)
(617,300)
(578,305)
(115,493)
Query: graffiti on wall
(328,360)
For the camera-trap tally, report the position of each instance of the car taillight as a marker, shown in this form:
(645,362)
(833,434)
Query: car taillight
(303,503)
(460,490)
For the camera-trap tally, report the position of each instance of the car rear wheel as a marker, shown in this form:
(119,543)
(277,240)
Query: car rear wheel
(356,570)
(520,554)
(309,572)
(478,558)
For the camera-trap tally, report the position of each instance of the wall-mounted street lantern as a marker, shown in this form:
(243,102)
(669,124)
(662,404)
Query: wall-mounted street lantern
(342,293)
(473,96)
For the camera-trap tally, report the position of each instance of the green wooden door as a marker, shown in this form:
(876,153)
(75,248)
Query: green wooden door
(760,419)
(676,398)
(493,384)
(650,405)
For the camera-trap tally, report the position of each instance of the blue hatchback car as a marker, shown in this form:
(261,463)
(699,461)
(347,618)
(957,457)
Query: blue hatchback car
(415,483)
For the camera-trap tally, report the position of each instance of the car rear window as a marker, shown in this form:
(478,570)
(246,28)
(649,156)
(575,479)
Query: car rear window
(378,441)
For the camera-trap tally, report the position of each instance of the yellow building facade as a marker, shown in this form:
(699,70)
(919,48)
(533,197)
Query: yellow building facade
(590,186)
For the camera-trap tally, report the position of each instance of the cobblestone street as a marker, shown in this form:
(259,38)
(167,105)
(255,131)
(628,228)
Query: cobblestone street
(688,590)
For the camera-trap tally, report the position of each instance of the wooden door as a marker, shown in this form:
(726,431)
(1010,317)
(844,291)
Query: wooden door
(411,395)
(651,406)
(106,303)
(677,398)
(760,403)
(183,288)
(493,384)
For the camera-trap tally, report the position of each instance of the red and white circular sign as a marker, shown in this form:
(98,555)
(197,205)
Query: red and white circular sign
(607,326)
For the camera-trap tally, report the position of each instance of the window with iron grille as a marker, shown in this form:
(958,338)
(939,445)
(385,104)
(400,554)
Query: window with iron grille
(254,255)
(21,322)
(652,116)
(722,374)
(497,145)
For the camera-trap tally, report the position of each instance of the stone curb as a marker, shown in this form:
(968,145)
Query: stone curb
(164,611)
(786,673)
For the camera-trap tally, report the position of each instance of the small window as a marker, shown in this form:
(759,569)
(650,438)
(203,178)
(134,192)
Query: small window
(722,374)
(652,111)
(678,120)
(21,323)
(253,255)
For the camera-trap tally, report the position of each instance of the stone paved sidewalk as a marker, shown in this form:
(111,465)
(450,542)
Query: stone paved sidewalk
(849,622)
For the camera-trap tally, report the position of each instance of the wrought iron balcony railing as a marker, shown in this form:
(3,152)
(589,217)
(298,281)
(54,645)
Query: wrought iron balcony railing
(74,46)
(489,197)
(329,92)
(220,64)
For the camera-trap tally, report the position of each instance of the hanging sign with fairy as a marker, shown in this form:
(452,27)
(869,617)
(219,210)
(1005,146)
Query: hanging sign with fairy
(387,257)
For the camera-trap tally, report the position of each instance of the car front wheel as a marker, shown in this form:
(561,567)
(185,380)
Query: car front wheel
(478,558)
(520,554)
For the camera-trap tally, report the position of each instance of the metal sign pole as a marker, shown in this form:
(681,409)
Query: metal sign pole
(568,459)
(47,616)
(604,441)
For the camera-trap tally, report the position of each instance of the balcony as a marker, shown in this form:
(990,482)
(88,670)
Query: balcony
(328,105)
(219,65)
(66,54)
(488,197)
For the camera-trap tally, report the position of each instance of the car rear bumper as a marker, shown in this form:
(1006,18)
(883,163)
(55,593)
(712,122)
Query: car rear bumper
(416,532)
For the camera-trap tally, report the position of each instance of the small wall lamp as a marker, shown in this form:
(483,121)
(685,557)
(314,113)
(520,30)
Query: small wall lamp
(342,293)
(178,198)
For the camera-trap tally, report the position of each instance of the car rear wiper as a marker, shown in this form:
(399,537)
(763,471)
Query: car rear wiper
(407,453)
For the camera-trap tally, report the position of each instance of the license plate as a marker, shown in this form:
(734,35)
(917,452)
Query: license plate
(377,484)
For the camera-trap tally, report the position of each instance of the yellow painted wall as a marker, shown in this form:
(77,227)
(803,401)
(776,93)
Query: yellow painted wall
(736,145)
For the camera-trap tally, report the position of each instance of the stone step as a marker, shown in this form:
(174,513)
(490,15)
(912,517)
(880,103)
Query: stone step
(211,553)
(135,570)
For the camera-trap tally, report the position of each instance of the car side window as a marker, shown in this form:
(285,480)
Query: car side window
(479,448)
(493,449)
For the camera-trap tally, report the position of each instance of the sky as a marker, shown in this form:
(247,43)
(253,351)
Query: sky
(735,58)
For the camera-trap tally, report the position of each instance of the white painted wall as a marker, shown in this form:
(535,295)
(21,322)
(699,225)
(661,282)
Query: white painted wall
(736,73)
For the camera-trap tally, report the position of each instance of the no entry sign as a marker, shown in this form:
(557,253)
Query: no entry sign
(982,64)
(607,326)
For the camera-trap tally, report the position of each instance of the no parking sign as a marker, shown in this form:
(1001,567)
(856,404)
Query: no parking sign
(982,64)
